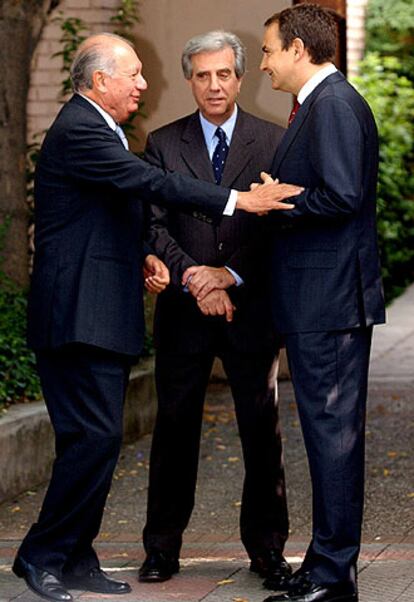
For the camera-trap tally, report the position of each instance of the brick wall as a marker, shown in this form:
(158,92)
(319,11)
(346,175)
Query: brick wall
(46,77)
(355,33)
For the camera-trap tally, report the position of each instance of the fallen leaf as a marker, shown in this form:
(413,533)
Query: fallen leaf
(16,509)
(233,459)
(209,418)
(225,581)
(386,472)
(392,454)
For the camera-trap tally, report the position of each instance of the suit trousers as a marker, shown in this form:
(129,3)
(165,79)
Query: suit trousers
(84,389)
(181,385)
(329,374)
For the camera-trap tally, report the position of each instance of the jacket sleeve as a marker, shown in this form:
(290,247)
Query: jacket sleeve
(94,156)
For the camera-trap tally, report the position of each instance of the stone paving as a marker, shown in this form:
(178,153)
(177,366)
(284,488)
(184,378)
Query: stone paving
(214,566)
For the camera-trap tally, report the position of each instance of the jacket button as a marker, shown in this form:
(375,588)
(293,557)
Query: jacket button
(220,246)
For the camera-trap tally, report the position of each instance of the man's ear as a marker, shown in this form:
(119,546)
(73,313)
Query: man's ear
(98,80)
(240,79)
(298,48)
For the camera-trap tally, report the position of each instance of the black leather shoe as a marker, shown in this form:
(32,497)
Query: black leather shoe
(295,580)
(306,591)
(274,567)
(158,566)
(41,582)
(96,581)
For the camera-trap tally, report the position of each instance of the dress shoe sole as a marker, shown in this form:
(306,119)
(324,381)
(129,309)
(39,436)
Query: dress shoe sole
(90,587)
(155,578)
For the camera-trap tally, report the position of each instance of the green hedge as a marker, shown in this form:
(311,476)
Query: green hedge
(391,97)
(18,380)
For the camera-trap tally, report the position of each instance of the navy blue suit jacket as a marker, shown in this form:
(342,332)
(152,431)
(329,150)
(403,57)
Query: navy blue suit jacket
(326,273)
(87,278)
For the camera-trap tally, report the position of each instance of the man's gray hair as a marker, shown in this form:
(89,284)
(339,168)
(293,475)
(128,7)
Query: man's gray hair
(93,55)
(213,41)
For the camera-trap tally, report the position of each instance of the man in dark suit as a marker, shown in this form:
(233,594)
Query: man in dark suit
(326,285)
(86,318)
(230,262)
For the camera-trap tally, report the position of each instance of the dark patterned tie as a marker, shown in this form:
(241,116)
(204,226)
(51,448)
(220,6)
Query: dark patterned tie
(219,155)
(293,112)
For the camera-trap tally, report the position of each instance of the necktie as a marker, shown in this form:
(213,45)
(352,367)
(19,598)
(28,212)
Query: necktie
(122,136)
(293,112)
(219,155)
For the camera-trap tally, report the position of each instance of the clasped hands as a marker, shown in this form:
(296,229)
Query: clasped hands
(207,285)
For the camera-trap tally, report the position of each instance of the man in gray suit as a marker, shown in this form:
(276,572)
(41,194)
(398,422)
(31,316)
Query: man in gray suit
(229,261)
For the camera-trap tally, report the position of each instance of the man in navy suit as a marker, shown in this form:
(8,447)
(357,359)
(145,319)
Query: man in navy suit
(326,285)
(86,317)
(231,260)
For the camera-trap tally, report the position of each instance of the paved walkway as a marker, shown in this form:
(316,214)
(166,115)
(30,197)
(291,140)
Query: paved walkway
(214,564)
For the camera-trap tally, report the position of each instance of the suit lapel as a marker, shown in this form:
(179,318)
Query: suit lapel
(239,152)
(300,119)
(194,151)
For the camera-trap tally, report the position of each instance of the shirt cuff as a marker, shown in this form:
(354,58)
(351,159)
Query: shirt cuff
(185,287)
(239,281)
(231,203)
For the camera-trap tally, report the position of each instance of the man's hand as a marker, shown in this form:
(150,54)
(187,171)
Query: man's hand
(202,279)
(156,274)
(267,196)
(217,303)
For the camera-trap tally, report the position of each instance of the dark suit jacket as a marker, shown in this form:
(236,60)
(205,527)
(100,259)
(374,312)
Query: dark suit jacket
(87,282)
(326,273)
(183,240)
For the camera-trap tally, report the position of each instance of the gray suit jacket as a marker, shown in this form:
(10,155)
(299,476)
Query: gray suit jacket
(239,242)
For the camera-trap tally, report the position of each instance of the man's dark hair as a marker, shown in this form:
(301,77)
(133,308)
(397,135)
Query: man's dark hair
(314,25)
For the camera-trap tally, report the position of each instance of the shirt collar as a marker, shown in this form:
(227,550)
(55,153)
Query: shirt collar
(108,118)
(314,81)
(209,129)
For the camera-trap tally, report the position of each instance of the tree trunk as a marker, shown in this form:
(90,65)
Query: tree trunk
(21,23)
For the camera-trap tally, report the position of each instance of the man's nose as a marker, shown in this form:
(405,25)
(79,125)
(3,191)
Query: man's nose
(141,83)
(214,82)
